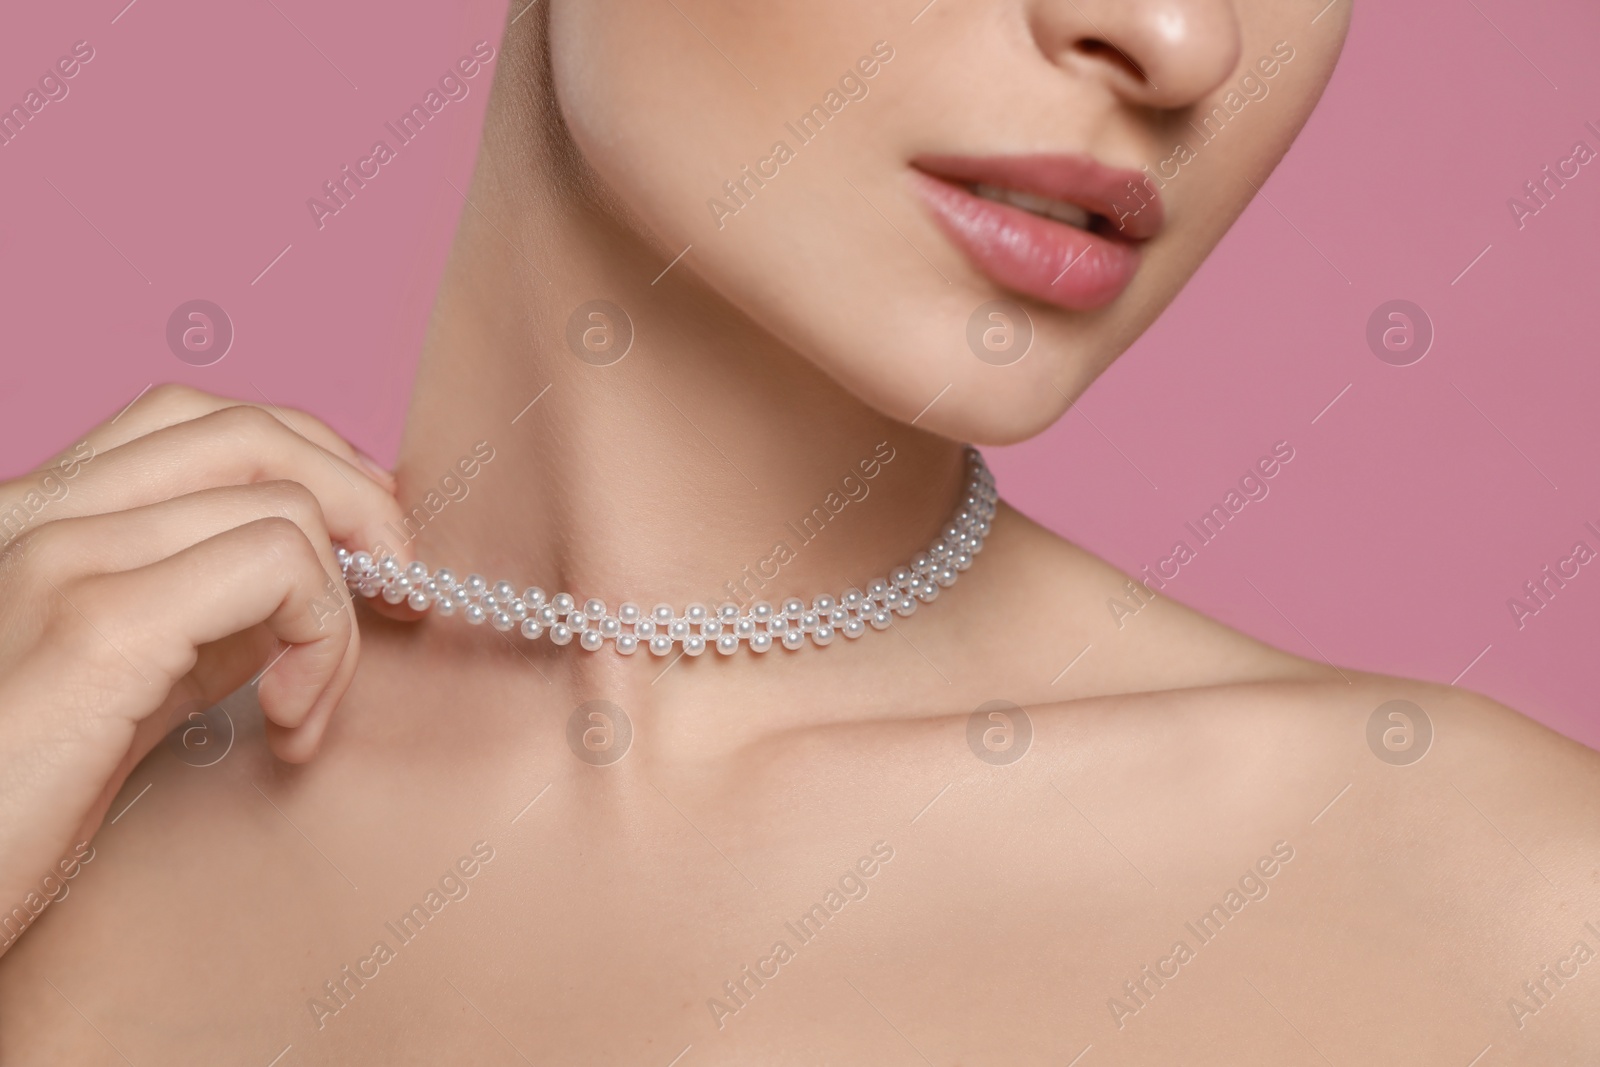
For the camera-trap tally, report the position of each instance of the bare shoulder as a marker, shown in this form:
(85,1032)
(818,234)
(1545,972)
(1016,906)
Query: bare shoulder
(1322,741)
(1386,870)
(1126,635)
(1387,849)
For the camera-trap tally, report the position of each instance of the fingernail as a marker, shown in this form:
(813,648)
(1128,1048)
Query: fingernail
(372,467)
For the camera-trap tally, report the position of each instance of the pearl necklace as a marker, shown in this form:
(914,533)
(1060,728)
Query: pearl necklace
(760,626)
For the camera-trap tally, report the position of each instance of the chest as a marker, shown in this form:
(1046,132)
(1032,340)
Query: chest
(862,895)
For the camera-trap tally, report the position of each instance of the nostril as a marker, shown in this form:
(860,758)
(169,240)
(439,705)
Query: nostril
(1104,52)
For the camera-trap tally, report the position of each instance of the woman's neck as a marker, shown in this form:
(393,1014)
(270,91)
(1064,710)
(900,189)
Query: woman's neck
(709,463)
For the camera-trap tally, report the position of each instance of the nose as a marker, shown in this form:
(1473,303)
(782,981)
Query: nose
(1152,53)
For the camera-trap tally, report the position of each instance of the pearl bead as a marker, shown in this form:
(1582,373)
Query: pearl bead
(591,640)
(362,562)
(627,644)
(793,607)
(475,615)
(695,612)
(822,635)
(531,629)
(660,645)
(389,568)
(761,611)
(808,621)
(445,577)
(663,614)
(678,630)
(547,615)
(694,644)
(504,592)
(838,617)
(823,604)
(446,607)
(760,641)
(881,619)
(854,628)
(564,603)
(533,596)
(417,571)
(728,612)
(645,628)
(476,585)
(610,627)
(727,644)
(710,628)
(560,633)
(595,608)
(906,606)
(629,613)
(793,639)
(393,594)
(418,600)
(501,621)
(745,628)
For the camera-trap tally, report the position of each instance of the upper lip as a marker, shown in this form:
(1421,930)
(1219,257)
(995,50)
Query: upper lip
(1125,198)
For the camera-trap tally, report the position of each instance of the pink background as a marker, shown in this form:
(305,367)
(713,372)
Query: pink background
(179,165)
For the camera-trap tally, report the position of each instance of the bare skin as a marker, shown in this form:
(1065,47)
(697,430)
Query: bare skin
(1018,901)
(985,910)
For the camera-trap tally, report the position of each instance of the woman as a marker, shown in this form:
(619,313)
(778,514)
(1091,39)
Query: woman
(700,340)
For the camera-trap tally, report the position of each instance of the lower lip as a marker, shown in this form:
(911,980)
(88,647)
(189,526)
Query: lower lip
(1029,254)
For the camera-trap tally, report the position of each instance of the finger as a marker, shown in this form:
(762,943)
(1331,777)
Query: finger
(125,540)
(223,667)
(263,573)
(123,642)
(170,403)
(128,540)
(234,446)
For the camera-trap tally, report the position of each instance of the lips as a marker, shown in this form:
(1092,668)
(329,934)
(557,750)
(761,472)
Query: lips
(1063,229)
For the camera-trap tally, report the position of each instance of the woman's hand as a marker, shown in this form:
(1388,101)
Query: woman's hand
(168,557)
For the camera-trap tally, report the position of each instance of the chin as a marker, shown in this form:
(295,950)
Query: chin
(996,419)
(1002,406)
(1010,403)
